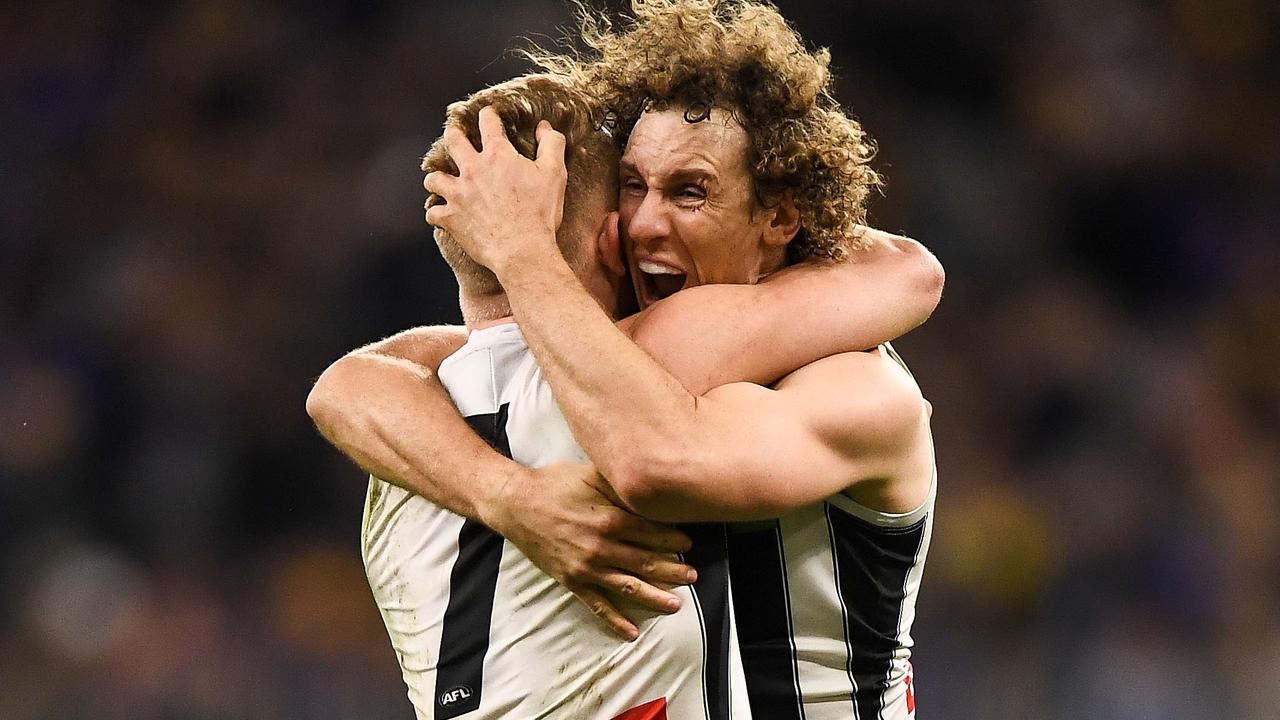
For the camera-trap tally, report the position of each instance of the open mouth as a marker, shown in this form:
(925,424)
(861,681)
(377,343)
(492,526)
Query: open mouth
(659,281)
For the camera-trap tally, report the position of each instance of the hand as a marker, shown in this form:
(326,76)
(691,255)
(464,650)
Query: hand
(500,203)
(562,518)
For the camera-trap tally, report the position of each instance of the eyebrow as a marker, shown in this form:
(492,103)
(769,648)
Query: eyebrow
(681,175)
(690,174)
(627,166)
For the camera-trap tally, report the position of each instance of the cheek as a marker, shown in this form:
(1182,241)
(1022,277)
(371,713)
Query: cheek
(723,252)
(704,240)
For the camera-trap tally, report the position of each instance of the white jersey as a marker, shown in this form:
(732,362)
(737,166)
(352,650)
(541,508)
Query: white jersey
(480,632)
(824,600)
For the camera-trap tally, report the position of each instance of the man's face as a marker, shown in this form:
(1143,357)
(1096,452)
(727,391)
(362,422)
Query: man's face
(688,213)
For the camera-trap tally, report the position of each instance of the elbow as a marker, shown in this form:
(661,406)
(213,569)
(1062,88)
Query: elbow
(637,489)
(319,405)
(935,276)
(325,401)
(626,469)
(930,279)
(648,480)
(922,273)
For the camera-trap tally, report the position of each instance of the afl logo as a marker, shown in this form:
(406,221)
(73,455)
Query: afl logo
(449,697)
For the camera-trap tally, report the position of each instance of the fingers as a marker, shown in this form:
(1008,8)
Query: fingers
(492,133)
(608,613)
(641,592)
(650,535)
(464,154)
(440,183)
(652,567)
(550,146)
(438,216)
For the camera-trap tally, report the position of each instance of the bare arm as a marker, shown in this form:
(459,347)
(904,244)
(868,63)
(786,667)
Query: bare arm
(852,423)
(711,335)
(738,452)
(383,406)
(636,420)
(371,404)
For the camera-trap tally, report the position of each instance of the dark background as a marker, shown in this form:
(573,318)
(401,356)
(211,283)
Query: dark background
(202,204)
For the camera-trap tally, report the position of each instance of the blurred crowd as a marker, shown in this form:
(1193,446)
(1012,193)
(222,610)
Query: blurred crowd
(204,203)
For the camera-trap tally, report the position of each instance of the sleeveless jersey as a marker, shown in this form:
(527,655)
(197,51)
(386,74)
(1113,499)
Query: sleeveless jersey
(824,599)
(480,632)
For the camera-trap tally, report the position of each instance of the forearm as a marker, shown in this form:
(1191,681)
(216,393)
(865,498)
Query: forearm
(873,296)
(740,452)
(618,399)
(710,335)
(394,419)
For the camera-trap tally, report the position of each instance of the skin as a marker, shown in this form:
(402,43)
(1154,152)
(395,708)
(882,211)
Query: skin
(373,403)
(852,423)
(685,190)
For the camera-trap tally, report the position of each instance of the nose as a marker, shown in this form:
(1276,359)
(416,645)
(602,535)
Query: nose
(649,221)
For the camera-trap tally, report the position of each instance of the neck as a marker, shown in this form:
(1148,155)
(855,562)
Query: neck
(484,311)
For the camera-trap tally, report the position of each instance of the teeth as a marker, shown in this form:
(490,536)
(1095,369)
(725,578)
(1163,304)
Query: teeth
(653,268)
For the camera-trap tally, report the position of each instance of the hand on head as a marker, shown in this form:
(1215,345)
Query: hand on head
(501,204)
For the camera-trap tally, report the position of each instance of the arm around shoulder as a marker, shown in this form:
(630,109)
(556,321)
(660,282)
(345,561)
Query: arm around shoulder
(383,406)
(343,397)
(711,335)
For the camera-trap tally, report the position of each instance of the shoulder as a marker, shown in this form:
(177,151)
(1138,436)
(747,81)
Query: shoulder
(857,398)
(866,370)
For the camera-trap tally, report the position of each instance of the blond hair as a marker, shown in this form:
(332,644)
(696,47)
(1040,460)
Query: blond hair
(743,57)
(591,158)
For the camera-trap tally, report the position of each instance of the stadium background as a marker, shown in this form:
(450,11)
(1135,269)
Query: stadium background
(203,203)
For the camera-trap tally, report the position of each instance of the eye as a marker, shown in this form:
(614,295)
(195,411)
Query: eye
(632,185)
(691,193)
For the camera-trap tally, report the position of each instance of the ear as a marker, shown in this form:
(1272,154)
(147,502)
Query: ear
(783,221)
(609,244)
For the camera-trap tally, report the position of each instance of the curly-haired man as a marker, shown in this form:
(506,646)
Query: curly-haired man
(697,214)
(737,162)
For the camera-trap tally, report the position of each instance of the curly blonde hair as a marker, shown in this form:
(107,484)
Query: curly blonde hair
(741,56)
(591,157)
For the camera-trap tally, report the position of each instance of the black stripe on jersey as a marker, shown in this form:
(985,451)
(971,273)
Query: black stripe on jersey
(464,634)
(493,428)
(871,566)
(762,611)
(711,598)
